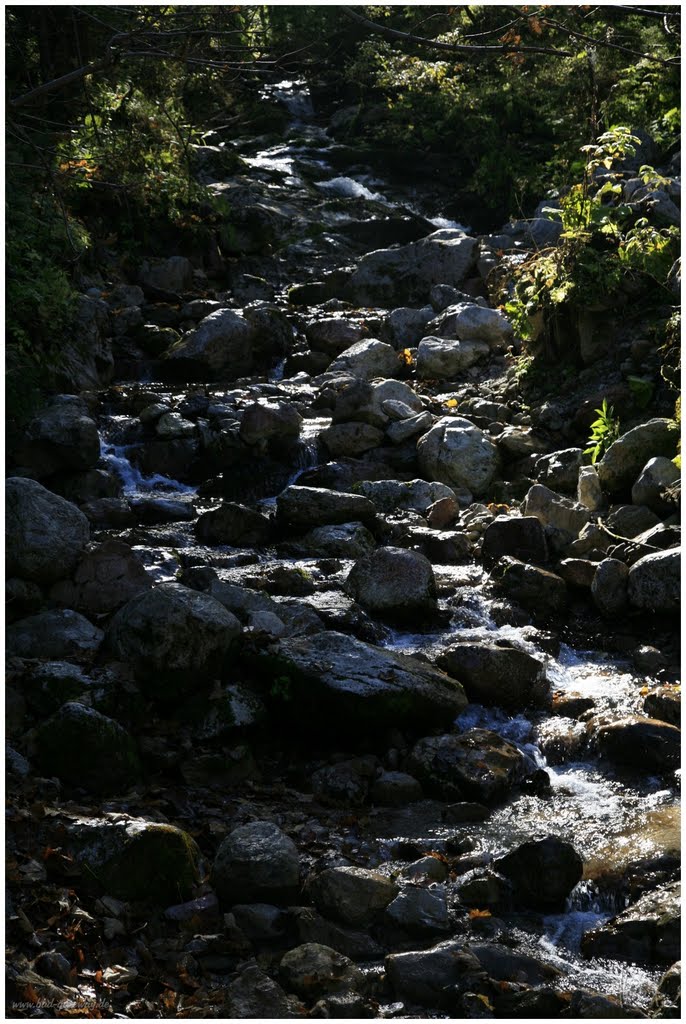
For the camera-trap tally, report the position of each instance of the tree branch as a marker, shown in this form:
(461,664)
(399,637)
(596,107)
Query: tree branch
(669,62)
(461,48)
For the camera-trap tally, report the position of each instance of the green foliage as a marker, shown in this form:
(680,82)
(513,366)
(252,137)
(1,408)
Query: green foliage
(604,431)
(642,390)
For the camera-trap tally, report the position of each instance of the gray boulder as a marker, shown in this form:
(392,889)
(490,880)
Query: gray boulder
(253,994)
(563,515)
(414,495)
(354,896)
(54,634)
(520,536)
(624,460)
(656,476)
(264,421)
(303,508)
(256,863)
(335,334)
(367,359)
(314,970)
(174,274)
(393,581)
(496,673)
(655,582)
(87,749)
(641,743)
(609,587)
(233,524)
(475,765)
(344,440)
(444,358)
(358,400)
(407,326)
(105,579)
(61,437)
(349,540)
(471,322)
(543,872)
(350,684)
(647,931)
(420,911)
(44,534)
(589,491)
(536,589)
(560,470)
(173,637)
(434,977)
(407,273)
(457,453)
(234,342)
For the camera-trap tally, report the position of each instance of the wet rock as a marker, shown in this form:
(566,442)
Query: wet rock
(232,342)
(395,789)
(335,334)
(577,572)
(312,927)
(457,453)
(456,814)
(641,743)
(109,512)
(89,485)
(22,598)
(349,439)
(264,421)
(349,540)
(609,587)
(585,1005)
(420,911)
(393,581)
(261,922)
(233,524)
(444,257)
(360,401)
(496,673)
(478,764)
(44,534)
(520,536)
(484,890)
(50,684)
(54,634)
(313,970)
(543,872)
(655,478)
(624,460)
(428,869)
(649,659)
(445,358)
(87,749)
(253,994)
(560,470)
(172,425)
(407,326)
(503,964)
(443,513)
(104,580)
(368,359)
(346,783)
(174,274)
(174,638)
(153,511)
(431,978)
(348,684)
(535,589)
(647,931)
(354,896)
(62,436)
(667,999)
(256,862)
(654,582)
(303,508)
(664,704)
(564,516)
(403,430)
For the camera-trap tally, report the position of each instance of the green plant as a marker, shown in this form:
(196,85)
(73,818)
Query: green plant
(604,431)
(642,390)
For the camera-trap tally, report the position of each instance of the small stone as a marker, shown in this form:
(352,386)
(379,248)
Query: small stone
(352,895)
(256,862)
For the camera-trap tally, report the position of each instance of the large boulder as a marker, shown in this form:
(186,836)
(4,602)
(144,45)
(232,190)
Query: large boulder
(173,274)
(61,437)
(624,460)
(174,638)
(393,581)
(55,633)
(560,470)
(445,358)
(564,517)
(406,273)
(414,495)
(345,684)
(44,535)
(368,359)
(348,540)
(655,582)
(475,765)
(344,440)
(470,322)
(235,524)
(354,896)
(334,334)
(496,673)
(87,749)
(361,401)
(232,342)
(649,931)
(263,421)
(104,580)
(303,508)
(256,863)
(313,970)
(457,453)
(655,478)
(543,872)
(609,587)
(536,589)
(640,743)
(520,536)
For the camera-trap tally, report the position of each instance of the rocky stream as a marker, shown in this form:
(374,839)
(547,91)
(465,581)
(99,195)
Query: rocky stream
(341,684)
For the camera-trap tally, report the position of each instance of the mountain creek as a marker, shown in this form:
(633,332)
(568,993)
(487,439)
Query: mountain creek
(341,684)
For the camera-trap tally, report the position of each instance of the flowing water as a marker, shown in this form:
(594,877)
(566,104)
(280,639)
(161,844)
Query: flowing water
(613,819)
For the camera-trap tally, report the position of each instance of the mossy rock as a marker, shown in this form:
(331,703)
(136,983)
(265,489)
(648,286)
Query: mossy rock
(87,749)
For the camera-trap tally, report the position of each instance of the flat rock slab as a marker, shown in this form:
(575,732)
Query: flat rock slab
(347,683)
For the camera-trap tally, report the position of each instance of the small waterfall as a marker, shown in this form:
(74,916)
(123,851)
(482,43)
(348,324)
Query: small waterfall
(295,97)
(134,482)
